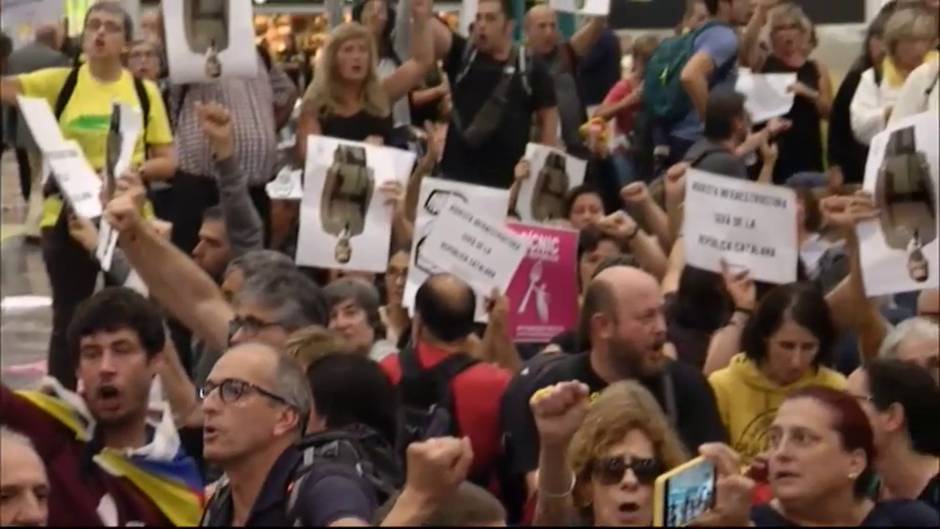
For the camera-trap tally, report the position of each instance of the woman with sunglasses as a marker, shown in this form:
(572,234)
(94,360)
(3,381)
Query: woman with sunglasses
(615,447)
(821,469)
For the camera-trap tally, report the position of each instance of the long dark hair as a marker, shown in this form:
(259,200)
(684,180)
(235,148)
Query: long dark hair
(876,30)
(384,43)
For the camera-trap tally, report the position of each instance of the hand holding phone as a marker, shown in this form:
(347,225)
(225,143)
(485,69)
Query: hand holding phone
(684,493)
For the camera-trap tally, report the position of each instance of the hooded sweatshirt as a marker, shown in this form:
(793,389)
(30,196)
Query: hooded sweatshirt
(748,400)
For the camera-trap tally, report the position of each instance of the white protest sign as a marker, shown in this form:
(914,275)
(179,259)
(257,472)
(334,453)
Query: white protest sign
(435,193)
(345,222)
(209,39)
(77,180)
(551,174)
(582,7)
(287,185)
(898,251)
(478,249)
(766,95)
(131,126)
(747,224)
(41,122)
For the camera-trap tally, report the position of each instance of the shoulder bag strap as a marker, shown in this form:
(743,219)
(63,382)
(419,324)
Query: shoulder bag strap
(65,94)
(144,98)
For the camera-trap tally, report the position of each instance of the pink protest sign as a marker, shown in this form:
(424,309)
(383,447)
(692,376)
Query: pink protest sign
(543,294)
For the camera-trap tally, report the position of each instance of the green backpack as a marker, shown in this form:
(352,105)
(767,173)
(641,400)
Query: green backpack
(664,97)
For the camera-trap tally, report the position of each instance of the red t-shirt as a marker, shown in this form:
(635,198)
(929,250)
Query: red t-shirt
(478,392)
(621,90)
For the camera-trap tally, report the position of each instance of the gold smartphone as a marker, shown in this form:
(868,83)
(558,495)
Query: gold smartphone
(684,493)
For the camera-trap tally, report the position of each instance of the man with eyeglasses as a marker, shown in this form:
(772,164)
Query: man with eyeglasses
(256,403)
(108,462)
(82,100)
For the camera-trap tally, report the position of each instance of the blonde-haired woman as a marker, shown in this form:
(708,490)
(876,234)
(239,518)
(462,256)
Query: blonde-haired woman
(347,99)
(599,459)
(790,35)
(910,35)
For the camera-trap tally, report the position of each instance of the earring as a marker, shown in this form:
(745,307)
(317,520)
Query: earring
(853,476)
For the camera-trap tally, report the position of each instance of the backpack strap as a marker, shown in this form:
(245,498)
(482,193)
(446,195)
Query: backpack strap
(221,496)
(701,157)
(143,97)
(442,374)
(669,396)
(65,94)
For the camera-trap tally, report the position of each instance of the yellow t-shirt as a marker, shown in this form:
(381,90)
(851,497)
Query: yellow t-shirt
(87,115)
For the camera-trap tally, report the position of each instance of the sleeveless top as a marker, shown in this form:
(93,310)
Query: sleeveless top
(801,147)
(357,127)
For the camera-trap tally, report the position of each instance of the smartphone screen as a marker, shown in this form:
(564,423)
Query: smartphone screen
(688,493)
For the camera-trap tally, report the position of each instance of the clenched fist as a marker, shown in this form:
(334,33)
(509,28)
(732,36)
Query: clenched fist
(436,467)
(559,411)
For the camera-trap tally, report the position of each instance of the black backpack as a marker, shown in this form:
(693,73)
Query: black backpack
(355,447)
(426,397)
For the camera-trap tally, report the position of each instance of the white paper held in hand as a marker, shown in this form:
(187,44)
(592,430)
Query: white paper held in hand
(482,251)
(552,173)
(747,224)
(766,95)
(77,180)
(41,122)
(582,7)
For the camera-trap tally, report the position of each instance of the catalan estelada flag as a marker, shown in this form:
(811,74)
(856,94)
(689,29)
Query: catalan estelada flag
(160,470)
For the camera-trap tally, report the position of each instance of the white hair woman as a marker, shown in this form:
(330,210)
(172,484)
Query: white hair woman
(910,35)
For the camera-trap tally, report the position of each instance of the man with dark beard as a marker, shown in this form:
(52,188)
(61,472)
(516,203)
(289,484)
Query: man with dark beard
(623,316)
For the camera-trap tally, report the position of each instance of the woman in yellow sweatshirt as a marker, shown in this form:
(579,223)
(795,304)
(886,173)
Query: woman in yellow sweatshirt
(787,345)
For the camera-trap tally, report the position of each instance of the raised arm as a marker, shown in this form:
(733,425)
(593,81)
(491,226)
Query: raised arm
(411,73)
(726,342)
(751,56)
(637,196)
(582,41)
(243,225)
(559,411)
(497,345)
(848,304)
(548,125)
(174,280)
(642,245)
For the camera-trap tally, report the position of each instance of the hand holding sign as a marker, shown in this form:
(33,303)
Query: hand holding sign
(845,212)
(740,287)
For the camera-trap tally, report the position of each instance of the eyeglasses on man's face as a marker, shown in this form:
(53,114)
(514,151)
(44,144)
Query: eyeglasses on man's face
(232,390)
(249,325)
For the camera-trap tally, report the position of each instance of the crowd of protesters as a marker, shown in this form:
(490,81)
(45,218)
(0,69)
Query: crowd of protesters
(243,389)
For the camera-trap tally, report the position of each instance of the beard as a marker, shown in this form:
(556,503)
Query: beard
(634,362)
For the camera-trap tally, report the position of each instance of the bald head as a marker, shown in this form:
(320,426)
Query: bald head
(541,29)
(48,34)
(255,357)
(446,305)
(628,281)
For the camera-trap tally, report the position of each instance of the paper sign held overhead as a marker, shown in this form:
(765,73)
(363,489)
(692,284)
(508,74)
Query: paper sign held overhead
(345,222)
(209,39)
(479,250)
(551,174)
(582,7)
(899,249)
(543,293)
(747,224)
(435,192)
(766,95)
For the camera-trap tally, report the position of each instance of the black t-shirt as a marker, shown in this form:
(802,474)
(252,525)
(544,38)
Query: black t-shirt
(892,513)
(492,163)
(931,493)
(357,127)
(697,419)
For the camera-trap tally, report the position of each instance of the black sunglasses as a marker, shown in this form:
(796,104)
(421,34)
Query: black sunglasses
(610,470)
(233,389)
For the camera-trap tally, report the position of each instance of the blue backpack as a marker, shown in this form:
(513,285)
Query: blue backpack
(665,99)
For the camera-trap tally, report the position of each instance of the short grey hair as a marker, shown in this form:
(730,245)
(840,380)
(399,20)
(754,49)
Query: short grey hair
(291,383)
(9,435)
(910,329)
(298,301)
(251,263)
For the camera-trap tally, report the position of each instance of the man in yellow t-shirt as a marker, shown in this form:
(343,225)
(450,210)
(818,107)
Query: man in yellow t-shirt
(85,118)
